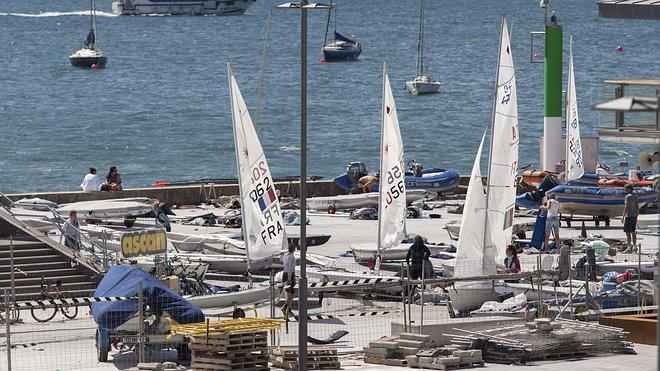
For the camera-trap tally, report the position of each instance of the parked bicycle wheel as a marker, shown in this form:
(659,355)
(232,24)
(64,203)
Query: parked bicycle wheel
(70,311)
(43,313)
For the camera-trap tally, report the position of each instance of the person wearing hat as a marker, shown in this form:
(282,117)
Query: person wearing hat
(630,213)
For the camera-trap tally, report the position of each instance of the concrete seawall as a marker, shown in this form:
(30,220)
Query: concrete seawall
(190,194)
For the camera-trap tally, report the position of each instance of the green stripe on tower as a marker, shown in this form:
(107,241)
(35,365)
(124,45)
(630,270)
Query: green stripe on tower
(553,71)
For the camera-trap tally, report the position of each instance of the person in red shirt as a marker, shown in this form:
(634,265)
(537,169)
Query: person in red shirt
(511,262)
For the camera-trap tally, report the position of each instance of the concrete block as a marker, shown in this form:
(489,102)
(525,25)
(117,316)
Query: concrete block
(412,361)
(433,352)
(150,366)
(447,360)
(471,359)
(475,352)
(410,343)
(377,352)
(556,325)
(461,353)
(406,351)
(423,361)
(419,337)
(383,344)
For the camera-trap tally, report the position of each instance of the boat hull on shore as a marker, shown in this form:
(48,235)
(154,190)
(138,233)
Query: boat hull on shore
(357,201)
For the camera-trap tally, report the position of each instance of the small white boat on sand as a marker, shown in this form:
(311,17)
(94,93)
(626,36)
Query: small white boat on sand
(233,264)
(255,294)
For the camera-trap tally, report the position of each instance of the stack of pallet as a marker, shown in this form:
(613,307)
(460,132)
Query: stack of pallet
(318,358)
(392,351)
(445,359)
(230,351)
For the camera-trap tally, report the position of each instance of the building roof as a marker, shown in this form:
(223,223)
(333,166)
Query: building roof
(633,82)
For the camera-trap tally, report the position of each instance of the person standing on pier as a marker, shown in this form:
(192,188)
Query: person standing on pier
(72,231)
(552,222)
(91,181)
(161,217)
(630,213)
(417,255)
(289,278)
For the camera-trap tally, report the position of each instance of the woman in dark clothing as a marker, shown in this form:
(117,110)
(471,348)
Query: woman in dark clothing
(113,179)
(418,253)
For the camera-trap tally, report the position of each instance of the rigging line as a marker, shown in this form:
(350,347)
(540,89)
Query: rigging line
(327,25)
(262,67)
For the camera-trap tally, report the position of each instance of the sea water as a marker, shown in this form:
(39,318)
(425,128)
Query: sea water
(160,110)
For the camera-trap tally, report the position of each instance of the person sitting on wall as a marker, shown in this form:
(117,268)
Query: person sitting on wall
(91,181)
(113,179)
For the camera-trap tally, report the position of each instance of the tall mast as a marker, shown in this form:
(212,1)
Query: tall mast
(567,105)
(492,128)
(327,24)
(419,38)
(382,171)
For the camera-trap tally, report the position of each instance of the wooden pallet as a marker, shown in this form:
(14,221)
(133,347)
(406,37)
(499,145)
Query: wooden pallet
(318,358)
(450,366)
(247,351)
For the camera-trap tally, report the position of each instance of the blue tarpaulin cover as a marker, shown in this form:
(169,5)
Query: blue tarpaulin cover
(122,280)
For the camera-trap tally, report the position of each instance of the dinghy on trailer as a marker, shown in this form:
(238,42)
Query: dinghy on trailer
(112,208)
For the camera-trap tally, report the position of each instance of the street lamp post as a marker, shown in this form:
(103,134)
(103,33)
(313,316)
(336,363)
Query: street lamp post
(302,288)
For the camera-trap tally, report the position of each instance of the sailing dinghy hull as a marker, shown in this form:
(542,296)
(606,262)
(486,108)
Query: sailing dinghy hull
(357,201)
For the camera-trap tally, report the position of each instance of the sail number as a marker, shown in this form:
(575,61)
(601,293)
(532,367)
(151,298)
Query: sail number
(395,190)
(259,175)
(507,93)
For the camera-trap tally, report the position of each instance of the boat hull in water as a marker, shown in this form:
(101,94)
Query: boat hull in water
(174,7)
(422,85)
(341,51)
(88,58)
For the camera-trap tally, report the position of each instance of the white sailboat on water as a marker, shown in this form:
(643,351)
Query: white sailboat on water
(574,164)
(90,56)
(422,83)
(489,211)
(263,228)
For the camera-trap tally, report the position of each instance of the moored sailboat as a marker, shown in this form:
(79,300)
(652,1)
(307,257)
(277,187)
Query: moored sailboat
(341,48)
(422,83)
(90,56)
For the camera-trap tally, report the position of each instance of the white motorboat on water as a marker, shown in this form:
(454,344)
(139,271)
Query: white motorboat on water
(422,83)
(356,201)
(178,7)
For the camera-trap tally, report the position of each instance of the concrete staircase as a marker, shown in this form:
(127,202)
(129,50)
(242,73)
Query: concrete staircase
(34,259)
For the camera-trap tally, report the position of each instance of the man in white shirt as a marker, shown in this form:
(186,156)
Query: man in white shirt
(91,181)
(289,277)
(552,221)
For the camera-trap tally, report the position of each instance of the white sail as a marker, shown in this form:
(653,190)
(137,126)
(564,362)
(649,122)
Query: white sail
(574,164)
(262,217)
(470,259)
(503,164)
(392,203)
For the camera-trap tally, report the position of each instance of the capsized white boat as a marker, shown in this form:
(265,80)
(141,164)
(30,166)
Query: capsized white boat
(112,208)
(259,292)
(226,263)
(362,252)
(356,201)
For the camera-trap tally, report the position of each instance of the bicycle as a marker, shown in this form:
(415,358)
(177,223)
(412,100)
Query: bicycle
(44,313)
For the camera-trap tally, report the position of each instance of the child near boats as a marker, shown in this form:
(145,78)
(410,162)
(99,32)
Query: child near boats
(72,231)
(161,217)
(552,221)
(511,262)
(113,179)
(289,277)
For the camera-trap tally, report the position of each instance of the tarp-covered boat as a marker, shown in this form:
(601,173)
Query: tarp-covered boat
(122,280)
